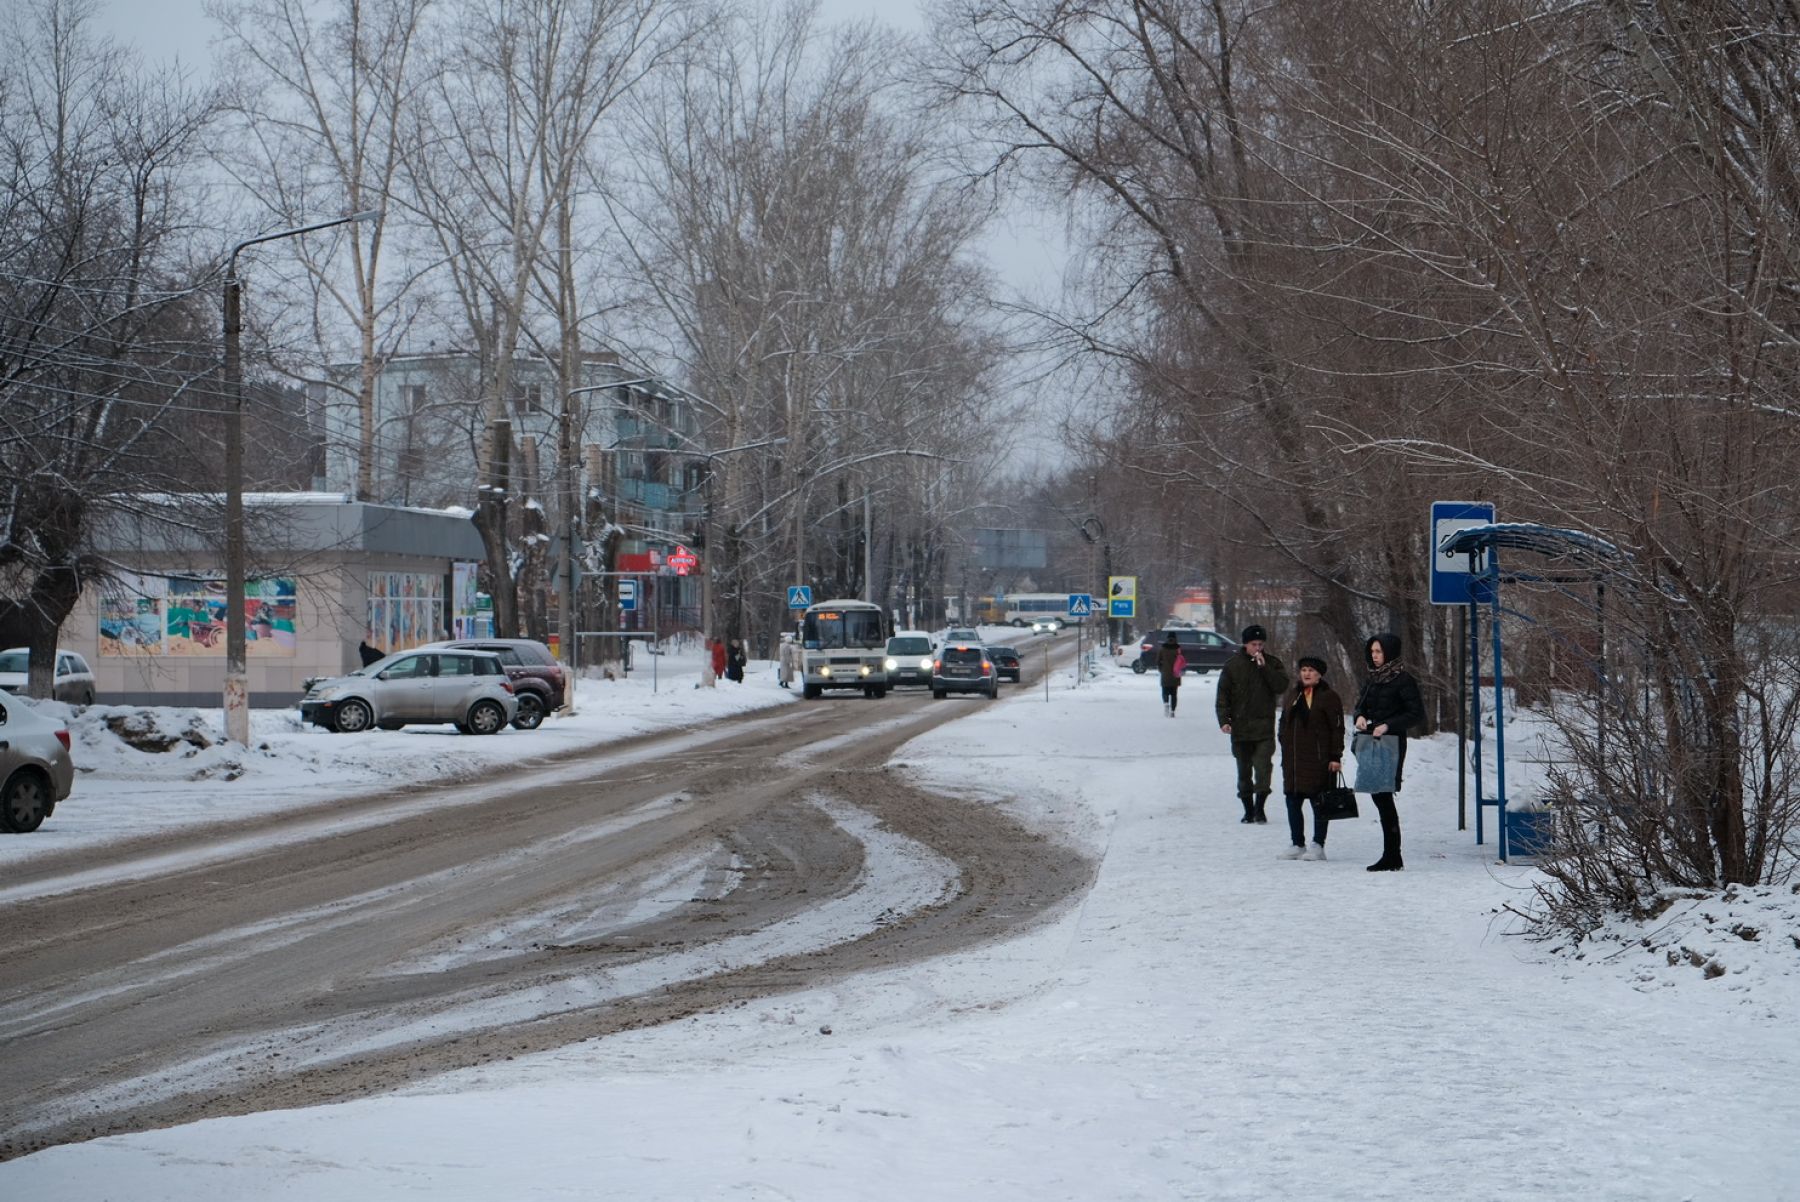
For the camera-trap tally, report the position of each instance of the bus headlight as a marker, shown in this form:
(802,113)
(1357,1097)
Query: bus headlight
(892,665)
(825,670)
(865,670)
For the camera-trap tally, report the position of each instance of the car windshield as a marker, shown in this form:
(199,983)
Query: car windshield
(15,661)
(829,628)
(909,646)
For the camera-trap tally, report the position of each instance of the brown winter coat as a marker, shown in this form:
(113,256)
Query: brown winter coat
(1311,740)
(1165,665)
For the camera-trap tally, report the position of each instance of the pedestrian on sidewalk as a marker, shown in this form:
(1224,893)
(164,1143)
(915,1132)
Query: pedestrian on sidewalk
(1311,735)
(716,657)
(1170,664)
(1250,689)
(1389,704)
(735,659)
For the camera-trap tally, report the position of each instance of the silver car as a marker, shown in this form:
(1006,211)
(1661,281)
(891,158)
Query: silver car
(73,682)
(467,688)
(34,766)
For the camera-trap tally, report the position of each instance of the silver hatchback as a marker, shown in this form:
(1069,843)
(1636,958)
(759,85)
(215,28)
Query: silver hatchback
(35,769)
(467,688)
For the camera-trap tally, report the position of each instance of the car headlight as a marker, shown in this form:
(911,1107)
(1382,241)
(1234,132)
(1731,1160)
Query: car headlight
(324,694)
(925,664)
(892,665)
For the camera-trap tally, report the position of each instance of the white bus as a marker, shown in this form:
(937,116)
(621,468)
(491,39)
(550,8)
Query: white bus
(1022,609)
(843,645)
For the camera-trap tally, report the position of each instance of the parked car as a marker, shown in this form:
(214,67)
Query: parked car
(1205,650)
(1048,624)
(963,668)
(538,680)
(909,658)
(467,688)
(74,681)
(1006,662)
(35,769)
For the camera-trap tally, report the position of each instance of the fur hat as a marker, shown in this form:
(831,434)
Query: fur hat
(1253,633)
(1313,662)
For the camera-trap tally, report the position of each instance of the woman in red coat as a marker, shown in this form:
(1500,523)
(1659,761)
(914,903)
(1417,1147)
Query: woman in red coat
(717,648)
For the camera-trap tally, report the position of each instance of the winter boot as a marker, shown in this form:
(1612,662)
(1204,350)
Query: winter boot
(1291,853)
(1257,814)
(1390,860)
(1249,808)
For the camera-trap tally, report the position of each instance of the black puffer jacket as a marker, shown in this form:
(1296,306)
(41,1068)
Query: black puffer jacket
(1393,699)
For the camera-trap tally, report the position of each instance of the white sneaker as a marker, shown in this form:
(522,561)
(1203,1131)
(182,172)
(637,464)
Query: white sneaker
(1292,853)
(1314,851)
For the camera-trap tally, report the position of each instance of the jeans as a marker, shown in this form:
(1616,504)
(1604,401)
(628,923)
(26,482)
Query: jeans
(1171,694)
(1297,820)
(1255,766)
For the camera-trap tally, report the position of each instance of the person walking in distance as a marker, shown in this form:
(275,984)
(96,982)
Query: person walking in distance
(735,659)
(1311,735)
(1389,704)
(1250,687)
(1169,666)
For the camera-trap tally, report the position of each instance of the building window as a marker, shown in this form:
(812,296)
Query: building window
(528,398)
(412,397)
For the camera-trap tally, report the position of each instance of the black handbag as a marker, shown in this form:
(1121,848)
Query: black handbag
(1338,801)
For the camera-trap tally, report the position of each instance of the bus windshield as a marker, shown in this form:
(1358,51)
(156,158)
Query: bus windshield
(830,628)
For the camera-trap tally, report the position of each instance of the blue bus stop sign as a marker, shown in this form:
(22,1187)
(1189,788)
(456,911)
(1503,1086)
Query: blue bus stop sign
(1451,575)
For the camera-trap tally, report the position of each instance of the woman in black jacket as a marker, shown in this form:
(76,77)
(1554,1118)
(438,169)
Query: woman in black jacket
(1389,704)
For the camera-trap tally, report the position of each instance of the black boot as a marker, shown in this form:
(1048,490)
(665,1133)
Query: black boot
(1249,808)
(1390,860)
(1257,814)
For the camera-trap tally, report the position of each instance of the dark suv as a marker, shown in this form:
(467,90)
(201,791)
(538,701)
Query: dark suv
(537,679)
(1206,650)
(964,668)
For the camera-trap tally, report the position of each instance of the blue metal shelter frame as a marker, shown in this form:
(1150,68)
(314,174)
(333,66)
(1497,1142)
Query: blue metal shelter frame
(1570,557)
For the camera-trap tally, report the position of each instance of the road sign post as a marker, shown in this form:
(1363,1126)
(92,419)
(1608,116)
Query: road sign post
(799,596)
(1452,575)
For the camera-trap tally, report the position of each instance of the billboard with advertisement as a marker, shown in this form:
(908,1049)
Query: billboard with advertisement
(186,615)
(405,610)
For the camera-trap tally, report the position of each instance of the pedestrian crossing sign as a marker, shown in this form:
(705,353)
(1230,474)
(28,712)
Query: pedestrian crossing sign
(1081,605)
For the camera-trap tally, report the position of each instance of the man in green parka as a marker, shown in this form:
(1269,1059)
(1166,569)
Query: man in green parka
(1250,689)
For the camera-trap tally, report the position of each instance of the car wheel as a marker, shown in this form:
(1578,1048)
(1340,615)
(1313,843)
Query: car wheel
(880,692)
(1139,667)
(87,698)
(531,712)
(1019,622)
(352,717)
(25,802)
(811,692)
(486,718)
(994,691)
(938,693)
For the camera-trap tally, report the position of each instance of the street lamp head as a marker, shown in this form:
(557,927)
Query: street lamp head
(366,216)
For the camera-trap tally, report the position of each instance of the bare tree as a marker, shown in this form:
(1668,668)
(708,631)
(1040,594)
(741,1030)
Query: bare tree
(99,320)
(324,101)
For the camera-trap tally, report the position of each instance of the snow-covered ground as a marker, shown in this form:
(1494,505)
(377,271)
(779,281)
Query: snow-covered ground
(1207,1022)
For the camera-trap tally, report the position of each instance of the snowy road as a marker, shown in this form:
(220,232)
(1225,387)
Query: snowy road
(331,953)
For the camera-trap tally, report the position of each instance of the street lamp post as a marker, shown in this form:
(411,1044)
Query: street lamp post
(237,675)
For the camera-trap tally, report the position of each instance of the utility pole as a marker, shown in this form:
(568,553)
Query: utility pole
(237,670)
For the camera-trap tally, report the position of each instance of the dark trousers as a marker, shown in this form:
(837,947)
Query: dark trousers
(1390,825)
(1297,818)
(1171,694)
(1255,766)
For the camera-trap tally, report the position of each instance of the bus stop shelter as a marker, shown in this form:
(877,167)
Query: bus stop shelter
(1558,558)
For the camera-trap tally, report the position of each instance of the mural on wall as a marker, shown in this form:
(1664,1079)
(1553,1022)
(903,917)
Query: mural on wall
(405,609)
(186,616)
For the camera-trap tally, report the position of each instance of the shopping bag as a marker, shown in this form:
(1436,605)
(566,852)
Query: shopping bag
(1377,762)
(1180,663)
(1338,801)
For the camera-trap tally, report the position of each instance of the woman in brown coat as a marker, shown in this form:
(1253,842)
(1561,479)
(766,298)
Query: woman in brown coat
(1168,673)
(1312,753)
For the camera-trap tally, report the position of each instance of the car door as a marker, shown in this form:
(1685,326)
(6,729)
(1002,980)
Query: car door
(66,687)
(403,691)
(456,686)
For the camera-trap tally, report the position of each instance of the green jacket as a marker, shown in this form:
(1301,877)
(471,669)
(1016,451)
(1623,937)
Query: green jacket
(1248,696)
